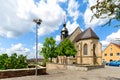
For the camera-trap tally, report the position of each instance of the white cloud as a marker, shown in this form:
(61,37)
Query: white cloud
(73,9)
(39,46)
(71,26)
(12,24)
(20,49)
(33,55)
(111,38)
(61,0)
(17,16)
(51,14)
(16,48)
(57,38)
(88,14)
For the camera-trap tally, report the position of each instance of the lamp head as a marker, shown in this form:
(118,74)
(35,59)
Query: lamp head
(37,21)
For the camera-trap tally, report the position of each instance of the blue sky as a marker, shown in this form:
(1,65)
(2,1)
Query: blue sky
(17,29)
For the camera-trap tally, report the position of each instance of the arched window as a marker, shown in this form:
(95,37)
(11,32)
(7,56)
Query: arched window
(85,49)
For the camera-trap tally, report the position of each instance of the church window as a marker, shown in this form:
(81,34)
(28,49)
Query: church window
(85,49)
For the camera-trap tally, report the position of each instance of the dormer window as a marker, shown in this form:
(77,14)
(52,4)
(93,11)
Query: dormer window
(110,49)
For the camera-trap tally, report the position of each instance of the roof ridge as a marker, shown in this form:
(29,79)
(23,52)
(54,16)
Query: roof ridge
(89,33)
(116,44)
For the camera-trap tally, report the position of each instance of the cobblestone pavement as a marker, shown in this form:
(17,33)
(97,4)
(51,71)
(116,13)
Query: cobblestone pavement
(107,73)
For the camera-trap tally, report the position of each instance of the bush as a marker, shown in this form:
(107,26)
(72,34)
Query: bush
(13,62)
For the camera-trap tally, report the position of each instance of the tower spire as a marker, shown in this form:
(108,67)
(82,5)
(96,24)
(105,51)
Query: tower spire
(64,31)
(64,25)
(64,19)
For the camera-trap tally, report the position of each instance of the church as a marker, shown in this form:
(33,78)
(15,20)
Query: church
(87,44)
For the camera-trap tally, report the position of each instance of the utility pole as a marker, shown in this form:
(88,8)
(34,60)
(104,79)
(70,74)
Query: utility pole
(38,22)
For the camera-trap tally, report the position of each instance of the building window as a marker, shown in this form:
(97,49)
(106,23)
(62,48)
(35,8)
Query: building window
(110,49)
(105,54)
(118,54)
(85,49)
(111,54)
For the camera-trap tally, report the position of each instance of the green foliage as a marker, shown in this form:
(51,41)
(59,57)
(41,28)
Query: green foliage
(109,9)
(66,48)
(12,62)
(21,61)
(3,59)
(48,49)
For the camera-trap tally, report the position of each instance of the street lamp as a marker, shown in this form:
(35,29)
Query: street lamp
(38,22)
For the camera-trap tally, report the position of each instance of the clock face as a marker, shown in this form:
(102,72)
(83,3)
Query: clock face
(63,32)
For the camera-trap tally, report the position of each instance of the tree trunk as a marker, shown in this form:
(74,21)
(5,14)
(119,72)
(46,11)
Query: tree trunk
(51,59)
(57,60)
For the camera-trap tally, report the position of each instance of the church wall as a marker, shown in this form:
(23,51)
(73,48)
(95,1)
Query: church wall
(99,53)
(88,59)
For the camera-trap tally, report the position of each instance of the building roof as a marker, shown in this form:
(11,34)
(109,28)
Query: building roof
(87,34)
(117,45)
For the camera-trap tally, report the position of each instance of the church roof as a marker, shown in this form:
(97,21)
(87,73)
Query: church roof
(87,34)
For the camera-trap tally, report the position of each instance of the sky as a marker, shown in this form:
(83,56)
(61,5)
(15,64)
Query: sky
(17,29)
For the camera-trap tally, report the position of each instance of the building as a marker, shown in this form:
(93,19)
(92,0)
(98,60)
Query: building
(111,52)
(87,45)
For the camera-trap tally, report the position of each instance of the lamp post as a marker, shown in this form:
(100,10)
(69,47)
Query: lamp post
(38,22)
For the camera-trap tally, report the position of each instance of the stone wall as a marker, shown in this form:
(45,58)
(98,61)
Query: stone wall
(21,72)
(84,67)
(50,66)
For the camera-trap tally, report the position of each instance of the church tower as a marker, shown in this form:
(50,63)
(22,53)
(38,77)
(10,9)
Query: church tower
(64,32)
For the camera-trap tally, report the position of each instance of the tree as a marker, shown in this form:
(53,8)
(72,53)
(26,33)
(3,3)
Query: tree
(3,59)
(13,62)
(22,62)
(107,9)
(48,49)
(66,48)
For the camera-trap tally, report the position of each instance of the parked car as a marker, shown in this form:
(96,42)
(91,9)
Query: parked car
(114,63)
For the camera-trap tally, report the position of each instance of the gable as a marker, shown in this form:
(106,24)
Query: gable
(114,46)
(73,36)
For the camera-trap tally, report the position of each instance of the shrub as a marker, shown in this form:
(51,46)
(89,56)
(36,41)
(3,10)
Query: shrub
(13,62)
